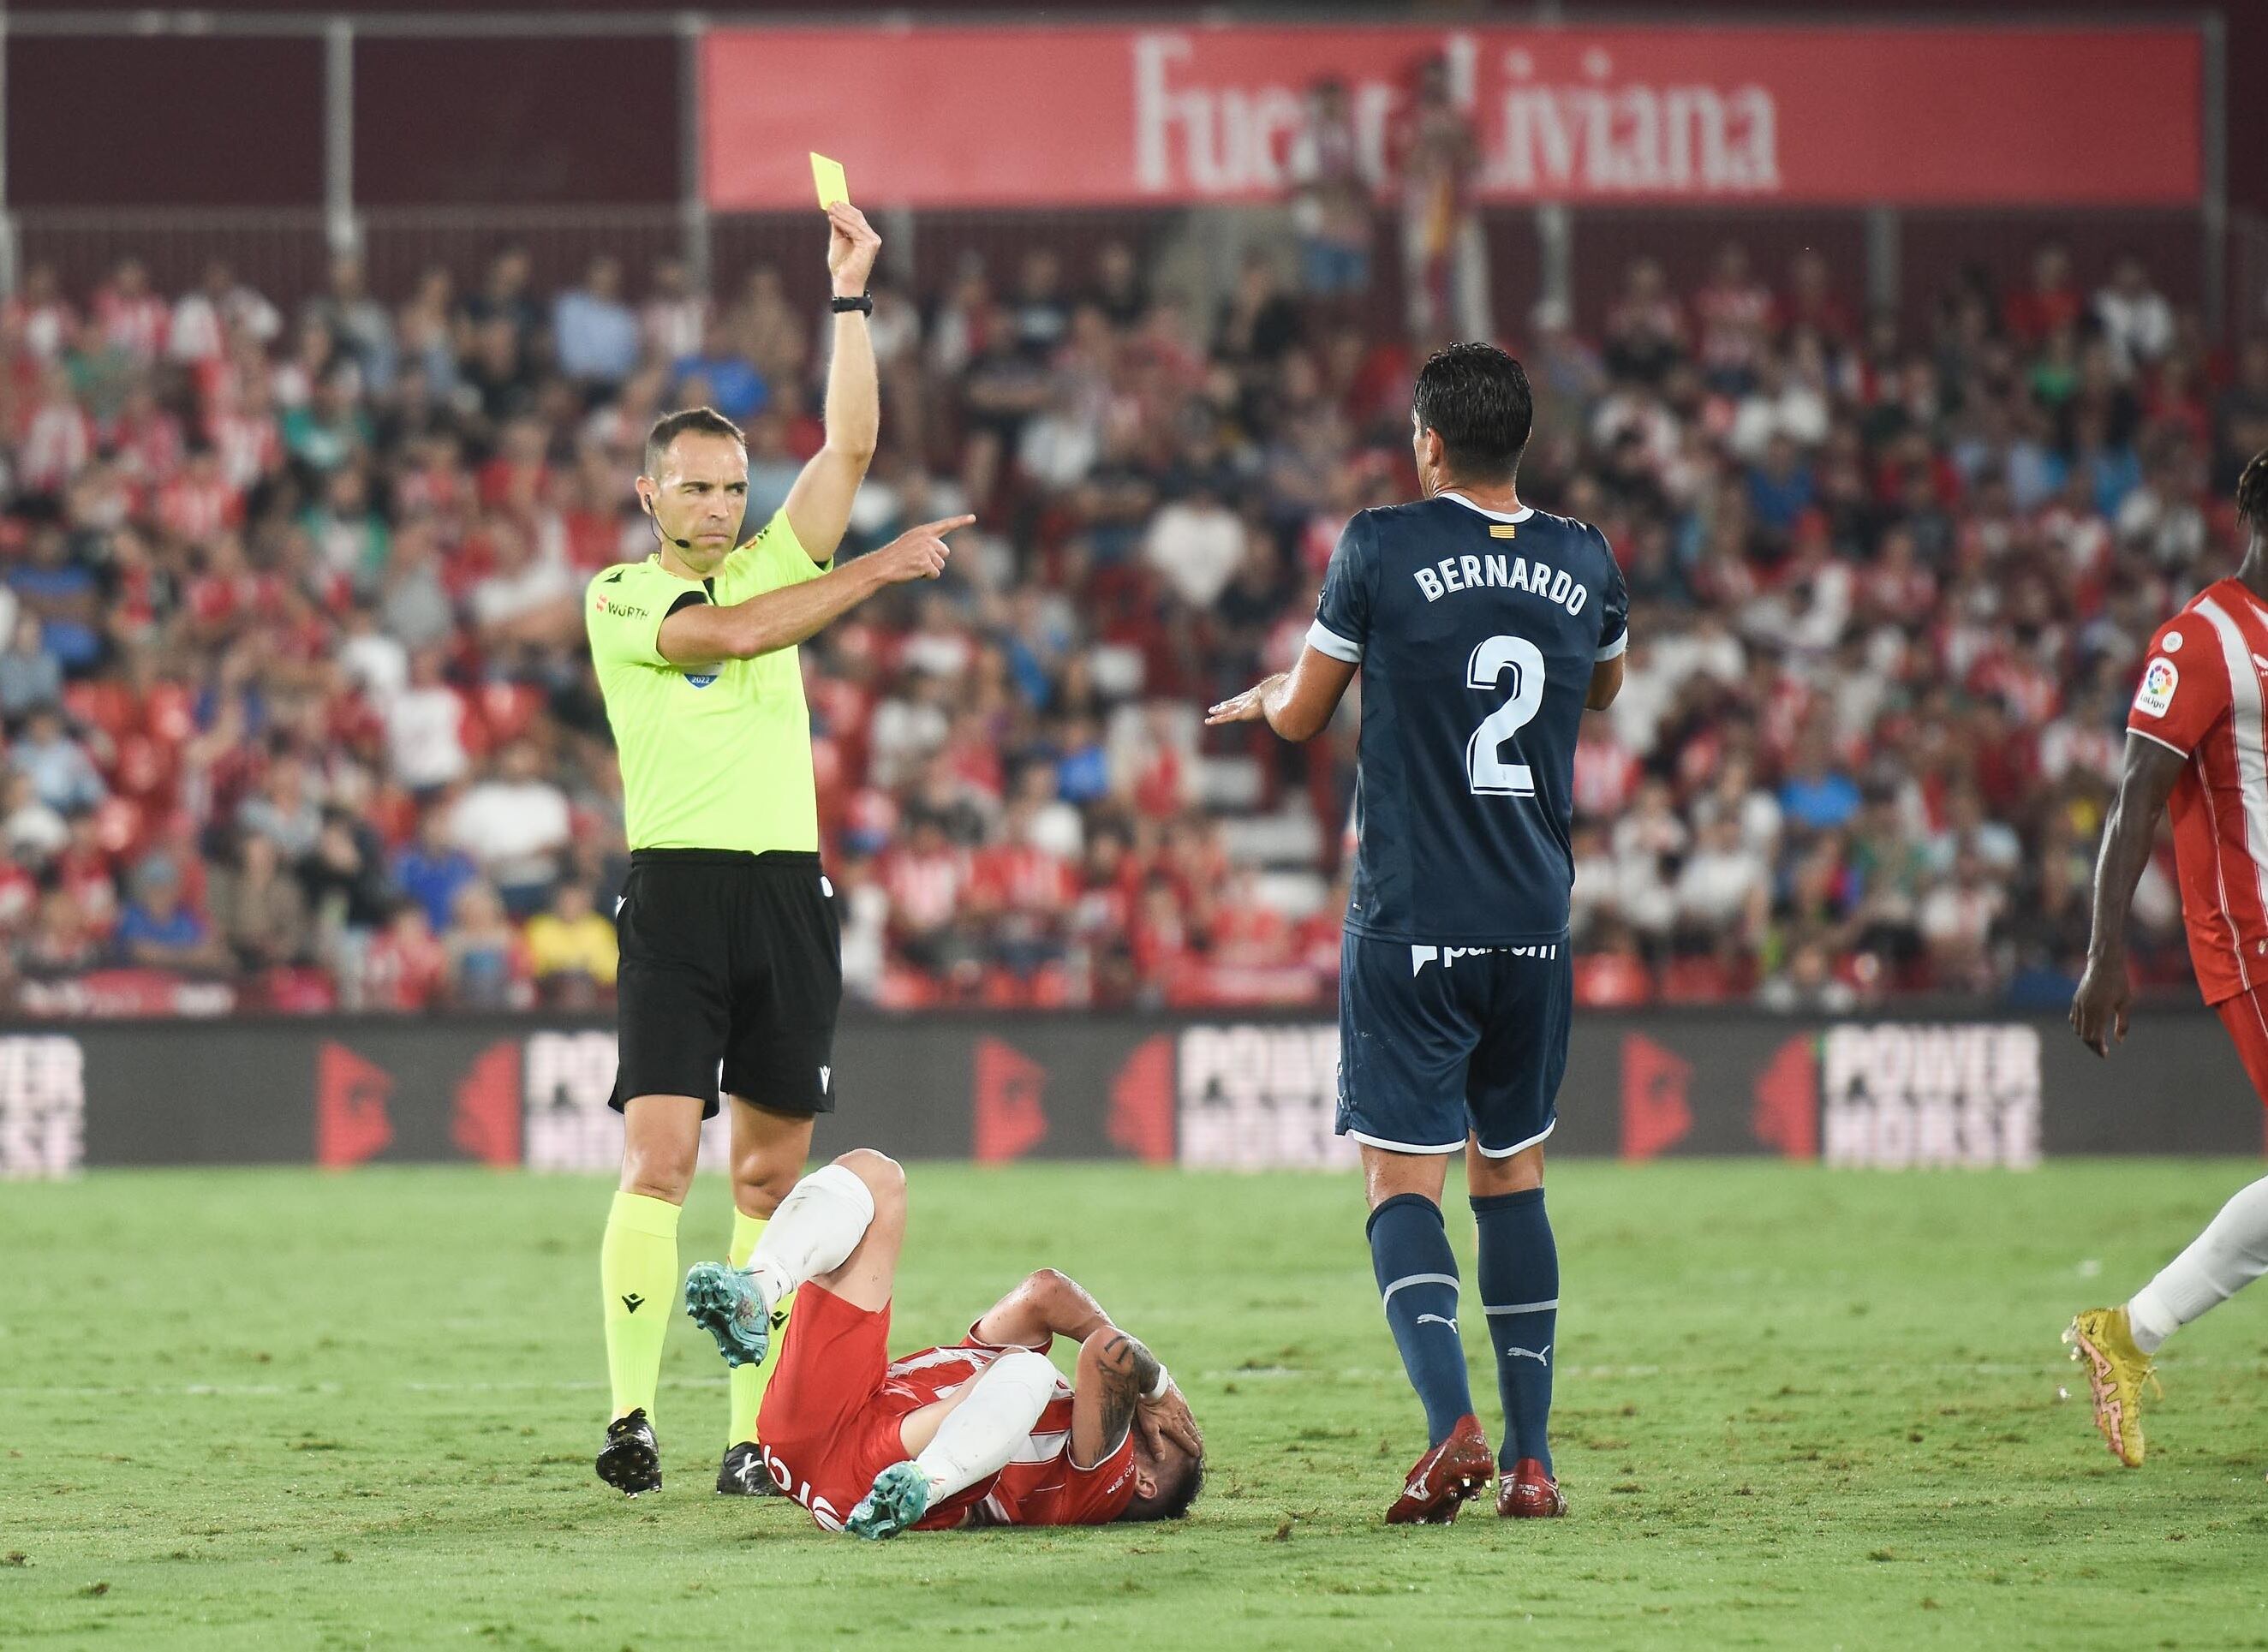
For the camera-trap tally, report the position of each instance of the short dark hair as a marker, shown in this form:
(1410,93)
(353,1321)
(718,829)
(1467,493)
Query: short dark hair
(670,426)
(1178,1486)
(2252,493)
(1476,399)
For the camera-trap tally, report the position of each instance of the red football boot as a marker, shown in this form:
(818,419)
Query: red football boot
(1458,1468)
(1528,1494)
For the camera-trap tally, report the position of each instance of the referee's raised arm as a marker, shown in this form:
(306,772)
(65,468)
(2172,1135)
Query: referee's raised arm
(818,504)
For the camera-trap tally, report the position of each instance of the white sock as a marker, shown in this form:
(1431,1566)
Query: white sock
(812,1232)
(2229,1255)
(981,1434)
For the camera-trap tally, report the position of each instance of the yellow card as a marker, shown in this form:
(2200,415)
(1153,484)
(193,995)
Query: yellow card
(828,175)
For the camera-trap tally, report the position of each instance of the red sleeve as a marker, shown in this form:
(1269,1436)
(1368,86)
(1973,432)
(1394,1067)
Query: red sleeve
(2184,686)
(1058,1492)
(1096,1497)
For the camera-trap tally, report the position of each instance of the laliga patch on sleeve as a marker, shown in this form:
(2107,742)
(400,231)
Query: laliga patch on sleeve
(2155,696)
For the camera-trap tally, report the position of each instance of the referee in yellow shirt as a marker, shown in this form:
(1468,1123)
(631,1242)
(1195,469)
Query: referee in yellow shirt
(732,967)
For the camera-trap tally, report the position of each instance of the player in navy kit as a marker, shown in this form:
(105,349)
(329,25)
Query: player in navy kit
(1483,629)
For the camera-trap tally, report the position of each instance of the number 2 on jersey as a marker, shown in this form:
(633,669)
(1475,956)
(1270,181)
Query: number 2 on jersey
(1488,774)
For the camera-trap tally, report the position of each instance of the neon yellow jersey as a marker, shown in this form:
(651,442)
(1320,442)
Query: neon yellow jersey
(714,758)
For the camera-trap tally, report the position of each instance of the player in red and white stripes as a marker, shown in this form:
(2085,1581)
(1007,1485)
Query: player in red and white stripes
(2197,737)
(985,1432)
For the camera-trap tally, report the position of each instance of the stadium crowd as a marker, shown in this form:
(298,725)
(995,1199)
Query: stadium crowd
(299,710)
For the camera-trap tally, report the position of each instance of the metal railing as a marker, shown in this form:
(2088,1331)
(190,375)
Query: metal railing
(286,251)
(281,251)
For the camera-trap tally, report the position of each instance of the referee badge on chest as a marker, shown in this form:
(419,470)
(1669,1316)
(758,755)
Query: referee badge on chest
(701,679)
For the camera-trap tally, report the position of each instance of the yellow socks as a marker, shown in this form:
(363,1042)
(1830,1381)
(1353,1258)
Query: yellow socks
(638,1277)
(750,1381)
(637,1281)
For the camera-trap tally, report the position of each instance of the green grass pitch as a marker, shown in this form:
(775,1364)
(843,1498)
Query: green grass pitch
(1796,1407)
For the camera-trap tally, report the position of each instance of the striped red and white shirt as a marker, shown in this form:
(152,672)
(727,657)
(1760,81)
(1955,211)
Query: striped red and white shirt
(249,445)
(2201,697)
(1042,1485)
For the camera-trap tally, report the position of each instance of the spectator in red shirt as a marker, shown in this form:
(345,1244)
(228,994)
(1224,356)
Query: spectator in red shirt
(1811,305)
(127,316)
(1246,932)
(407,969)
(1733,312)
(925,878)
(2049,304)
(1613,974)
(1162,944)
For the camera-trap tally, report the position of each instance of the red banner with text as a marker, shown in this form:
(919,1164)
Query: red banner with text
(1124,115)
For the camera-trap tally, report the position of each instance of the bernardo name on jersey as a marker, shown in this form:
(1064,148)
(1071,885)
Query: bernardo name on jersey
(1454,574)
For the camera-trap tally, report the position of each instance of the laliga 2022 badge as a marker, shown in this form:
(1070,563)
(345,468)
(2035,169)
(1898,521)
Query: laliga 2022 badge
(2157,695)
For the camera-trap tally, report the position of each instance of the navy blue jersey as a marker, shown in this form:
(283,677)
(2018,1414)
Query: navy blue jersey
(1477,632)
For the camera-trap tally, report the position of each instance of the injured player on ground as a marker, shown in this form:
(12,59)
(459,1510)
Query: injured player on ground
(982,1433)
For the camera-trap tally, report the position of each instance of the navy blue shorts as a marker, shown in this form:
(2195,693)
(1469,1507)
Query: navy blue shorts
(1435,1042)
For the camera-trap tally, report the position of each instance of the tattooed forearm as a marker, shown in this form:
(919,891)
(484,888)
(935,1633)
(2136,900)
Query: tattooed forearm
(1129,1371)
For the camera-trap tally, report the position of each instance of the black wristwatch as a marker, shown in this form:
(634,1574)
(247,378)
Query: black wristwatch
(863,303)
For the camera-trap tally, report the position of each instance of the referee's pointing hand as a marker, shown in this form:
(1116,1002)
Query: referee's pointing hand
(919,553)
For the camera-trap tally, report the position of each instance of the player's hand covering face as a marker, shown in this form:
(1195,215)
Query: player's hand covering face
(851,245)
(1168,1422)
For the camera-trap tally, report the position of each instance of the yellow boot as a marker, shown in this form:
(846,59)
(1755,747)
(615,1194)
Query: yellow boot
(2102,1340)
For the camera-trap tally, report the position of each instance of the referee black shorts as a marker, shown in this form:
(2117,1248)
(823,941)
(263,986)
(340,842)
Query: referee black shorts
(732,971)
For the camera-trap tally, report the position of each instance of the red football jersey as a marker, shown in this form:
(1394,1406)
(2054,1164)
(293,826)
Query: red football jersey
(2201,697)
(1042,1485)
(831,1415)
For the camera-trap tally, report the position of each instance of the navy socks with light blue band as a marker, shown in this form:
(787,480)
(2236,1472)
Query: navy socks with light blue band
(1417,1278)
(1519,1289)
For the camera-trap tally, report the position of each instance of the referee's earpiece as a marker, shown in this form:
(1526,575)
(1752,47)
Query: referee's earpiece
(654,517)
